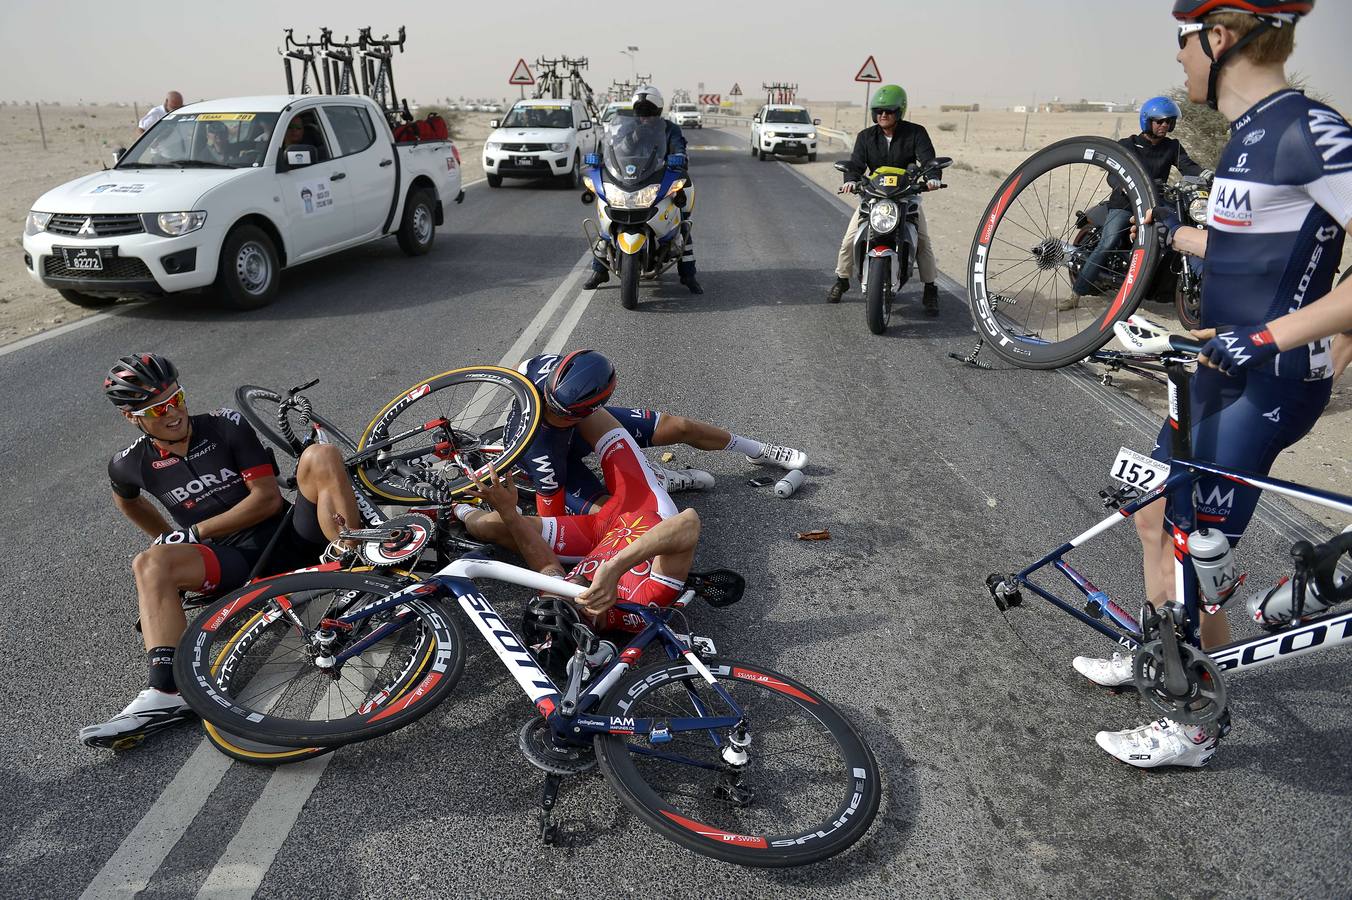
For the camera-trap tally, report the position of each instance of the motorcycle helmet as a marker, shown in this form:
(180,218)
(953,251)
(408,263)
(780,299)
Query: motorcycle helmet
(582,381)
(647,101)
(1159,108)
(1269,13)
(136,379)
(889,96)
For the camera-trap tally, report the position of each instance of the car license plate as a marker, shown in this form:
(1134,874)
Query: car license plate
(83,259)
(1138,470)
(524,160)
(791,143)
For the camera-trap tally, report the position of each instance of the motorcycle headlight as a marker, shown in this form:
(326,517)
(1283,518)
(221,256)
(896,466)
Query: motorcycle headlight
(493,146)
(37,222)
(1197,210)
(882,218)
(558,148)
(175,224)
(639,199)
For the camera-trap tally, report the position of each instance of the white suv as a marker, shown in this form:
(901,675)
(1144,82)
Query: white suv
(540,139)
(781,129)
(686,115)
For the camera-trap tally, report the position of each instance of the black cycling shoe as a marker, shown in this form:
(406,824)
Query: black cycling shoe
(597,279)
(931,299)
(840,287)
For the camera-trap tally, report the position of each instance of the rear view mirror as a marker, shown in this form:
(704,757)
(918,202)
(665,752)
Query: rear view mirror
(586,123)
(816,121)
(840,167)
(494,123)
(118,153)
(941,162)
(587,198)
(298,156)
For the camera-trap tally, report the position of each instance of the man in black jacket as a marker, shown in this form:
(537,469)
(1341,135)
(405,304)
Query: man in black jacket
(1158,154)
(891,142)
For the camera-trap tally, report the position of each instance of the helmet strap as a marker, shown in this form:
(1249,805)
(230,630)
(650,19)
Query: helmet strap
(1213,79)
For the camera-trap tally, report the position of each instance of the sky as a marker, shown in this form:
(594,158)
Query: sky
(993,52)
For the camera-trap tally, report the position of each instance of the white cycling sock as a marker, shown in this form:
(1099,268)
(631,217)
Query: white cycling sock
(739,444)
(462,510)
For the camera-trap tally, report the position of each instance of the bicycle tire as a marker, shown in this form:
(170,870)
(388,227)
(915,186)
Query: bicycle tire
(256,752)
(1019,343)
(377,476)
(259,405)
(224,651)
(849,799)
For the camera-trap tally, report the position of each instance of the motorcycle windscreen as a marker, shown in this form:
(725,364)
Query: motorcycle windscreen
(634,149)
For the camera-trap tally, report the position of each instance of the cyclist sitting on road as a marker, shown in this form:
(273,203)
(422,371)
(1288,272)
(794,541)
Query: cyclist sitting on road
(890,142)
(647,102)
(1158,153)
(575,385)
(219,485)
(1279,209)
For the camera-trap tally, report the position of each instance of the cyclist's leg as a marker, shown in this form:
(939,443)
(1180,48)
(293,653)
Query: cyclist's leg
(322,479)
(162,571)
(1113,235)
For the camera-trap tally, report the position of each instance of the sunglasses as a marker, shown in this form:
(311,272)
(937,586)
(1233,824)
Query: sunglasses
(163,408)
(1188,29)
(884,112)
(1168,120)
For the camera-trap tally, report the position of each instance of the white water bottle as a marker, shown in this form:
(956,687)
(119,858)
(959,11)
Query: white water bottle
(785,486)
(1214,564)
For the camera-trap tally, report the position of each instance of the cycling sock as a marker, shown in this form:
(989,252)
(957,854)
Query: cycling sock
(739,444)
(161,661)
(462,511)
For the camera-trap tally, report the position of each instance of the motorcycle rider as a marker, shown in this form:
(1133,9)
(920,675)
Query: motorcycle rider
(647,102)
(1158,153)
(890,142)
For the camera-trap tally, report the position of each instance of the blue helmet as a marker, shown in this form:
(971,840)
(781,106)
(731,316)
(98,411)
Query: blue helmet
(1159,108)
(581,382)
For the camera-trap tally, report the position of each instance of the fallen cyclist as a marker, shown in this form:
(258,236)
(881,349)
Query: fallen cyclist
(217,483)
(578,384)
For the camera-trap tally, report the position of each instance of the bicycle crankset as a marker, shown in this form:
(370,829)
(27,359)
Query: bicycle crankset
(1204,699)
(546,752)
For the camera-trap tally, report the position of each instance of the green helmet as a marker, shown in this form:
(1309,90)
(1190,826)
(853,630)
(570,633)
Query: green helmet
(889,96)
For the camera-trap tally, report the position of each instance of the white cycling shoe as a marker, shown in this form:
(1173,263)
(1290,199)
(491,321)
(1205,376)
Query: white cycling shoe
(1161,743)
(674,481)
(1111,673)
(151,711)
(784,457)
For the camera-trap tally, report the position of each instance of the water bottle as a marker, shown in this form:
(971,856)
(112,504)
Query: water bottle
(785,486)
(1214,564)
(1274,609)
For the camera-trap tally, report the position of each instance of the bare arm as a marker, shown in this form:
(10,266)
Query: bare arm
(1330,315)
(524,533)
(1191,241)
(264,502)
(670,544)
(143,514)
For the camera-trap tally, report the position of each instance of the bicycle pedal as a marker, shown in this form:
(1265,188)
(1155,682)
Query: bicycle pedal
(127,743)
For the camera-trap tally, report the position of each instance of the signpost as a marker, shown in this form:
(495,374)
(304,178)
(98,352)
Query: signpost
(521,76)
(869,74)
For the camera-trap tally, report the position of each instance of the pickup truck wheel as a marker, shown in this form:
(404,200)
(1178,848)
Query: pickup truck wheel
(495,181)
(249,273)
(419,227)
(812,157)
(764,156)
(86,300)
(573,180)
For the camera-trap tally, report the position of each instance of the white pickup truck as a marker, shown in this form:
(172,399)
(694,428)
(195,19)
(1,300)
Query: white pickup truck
(540,138)
(227,193)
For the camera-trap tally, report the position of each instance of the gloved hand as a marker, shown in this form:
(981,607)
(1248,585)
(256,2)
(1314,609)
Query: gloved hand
(677,161)
(848,187)
(1167,224)
(1235,348)
(933,184)
(178,536)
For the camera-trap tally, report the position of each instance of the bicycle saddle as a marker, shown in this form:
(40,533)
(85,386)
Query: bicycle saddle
(1141,335)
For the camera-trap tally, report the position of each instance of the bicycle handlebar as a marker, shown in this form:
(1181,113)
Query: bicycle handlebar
(1319,564)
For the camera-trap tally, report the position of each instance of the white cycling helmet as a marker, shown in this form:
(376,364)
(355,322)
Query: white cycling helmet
(648,94)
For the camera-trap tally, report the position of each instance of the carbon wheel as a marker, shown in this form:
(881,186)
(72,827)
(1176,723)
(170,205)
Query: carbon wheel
(259,406)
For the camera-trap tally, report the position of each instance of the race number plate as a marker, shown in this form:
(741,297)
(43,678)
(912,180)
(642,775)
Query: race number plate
(1138,470)
(83,259)
(889,181)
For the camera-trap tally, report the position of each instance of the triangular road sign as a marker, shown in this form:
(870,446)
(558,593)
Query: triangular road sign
(736,90)
(521,74)
(869,71)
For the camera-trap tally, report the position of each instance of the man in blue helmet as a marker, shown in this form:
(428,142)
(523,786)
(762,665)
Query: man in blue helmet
(1158,154)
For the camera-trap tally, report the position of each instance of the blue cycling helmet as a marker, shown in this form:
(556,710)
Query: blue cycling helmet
(581,382)
(1159,108)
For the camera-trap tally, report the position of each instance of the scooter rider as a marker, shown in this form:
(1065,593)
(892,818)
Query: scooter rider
(1158,154)
(890,142)
(648,102)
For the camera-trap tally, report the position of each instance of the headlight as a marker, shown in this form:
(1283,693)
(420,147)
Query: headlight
(493,146)
(175,224)
(558,148)
(812,135)
(37,222)
(1197,210)
(639,199)
(882,218)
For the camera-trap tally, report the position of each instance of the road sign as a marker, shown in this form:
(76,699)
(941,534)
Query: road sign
(736,90)
(869,71)
(521,74)
(710,99)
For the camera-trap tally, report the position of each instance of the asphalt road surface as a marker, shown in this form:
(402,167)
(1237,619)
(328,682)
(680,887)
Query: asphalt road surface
(928,474)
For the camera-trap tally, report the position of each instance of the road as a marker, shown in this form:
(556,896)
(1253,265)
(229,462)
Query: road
(929,475)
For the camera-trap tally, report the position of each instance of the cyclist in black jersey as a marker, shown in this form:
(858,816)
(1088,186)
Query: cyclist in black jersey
(1279,210)
(219,487)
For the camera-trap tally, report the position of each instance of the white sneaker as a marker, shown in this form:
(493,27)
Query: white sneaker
(1161,743)
(676,480)
(151,711)
(784,457)
(1113,672)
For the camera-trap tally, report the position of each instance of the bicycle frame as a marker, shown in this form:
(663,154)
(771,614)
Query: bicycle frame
(1105,616)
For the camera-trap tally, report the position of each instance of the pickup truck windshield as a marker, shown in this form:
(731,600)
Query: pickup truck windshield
(684,107)
(788,116)
(538,117)
(203,140)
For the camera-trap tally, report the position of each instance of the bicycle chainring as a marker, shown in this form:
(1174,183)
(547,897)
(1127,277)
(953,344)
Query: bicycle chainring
(1206,697)
(542,750)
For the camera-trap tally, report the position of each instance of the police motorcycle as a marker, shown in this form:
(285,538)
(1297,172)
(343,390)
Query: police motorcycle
(884,251)
(638,199)
(1178,277)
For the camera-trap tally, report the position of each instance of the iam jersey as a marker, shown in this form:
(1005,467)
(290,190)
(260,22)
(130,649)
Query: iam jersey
(223,455)
(1278,207)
